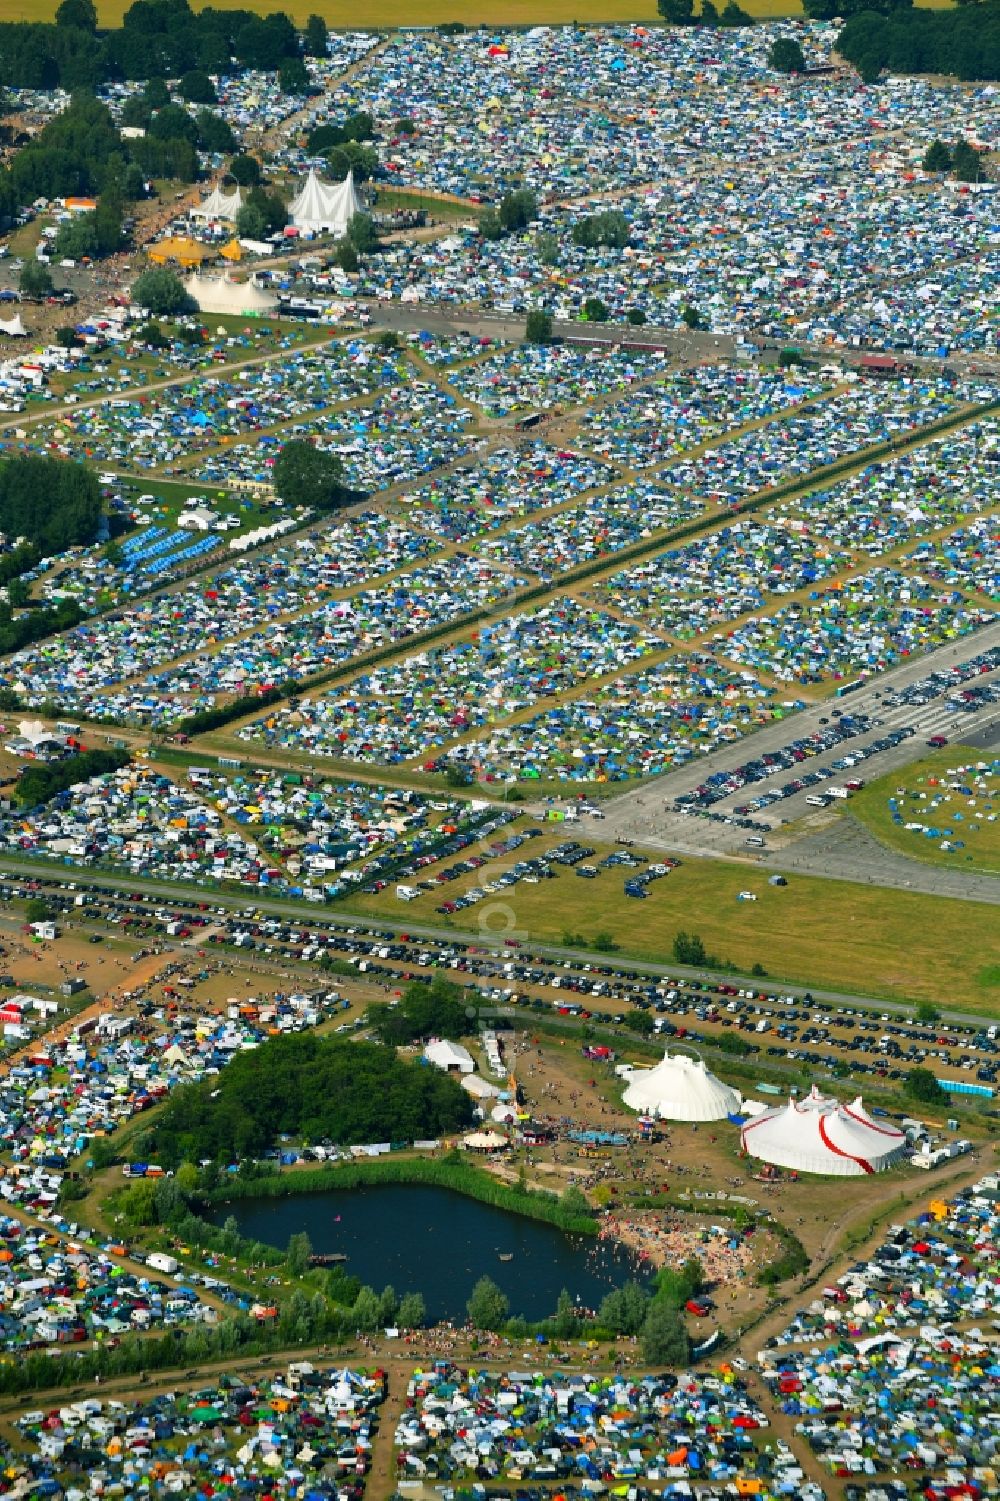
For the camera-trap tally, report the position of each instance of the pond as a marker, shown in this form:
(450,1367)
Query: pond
(432,1240)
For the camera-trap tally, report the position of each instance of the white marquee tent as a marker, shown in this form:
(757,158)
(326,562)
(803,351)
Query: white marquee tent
(323,208)
(219,205)
(13,328)
(821,1135)
(680,1089)
(215,294)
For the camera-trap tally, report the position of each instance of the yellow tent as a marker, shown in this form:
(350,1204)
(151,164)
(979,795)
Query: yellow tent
(233,251)
(185,251)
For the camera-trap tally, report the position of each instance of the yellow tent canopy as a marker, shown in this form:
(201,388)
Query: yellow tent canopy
(233,251)
(181,249)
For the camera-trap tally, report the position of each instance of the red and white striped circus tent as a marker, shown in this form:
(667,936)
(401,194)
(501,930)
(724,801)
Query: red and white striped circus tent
(822,1135)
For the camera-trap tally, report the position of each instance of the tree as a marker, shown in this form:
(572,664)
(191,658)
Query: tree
(298,1253)
(609,228)
(967,162)
(352,156)
(688,948)
(173,123)
(574,1201)
(315,37)
(412,1311)
(250,222)
(691,317)
(53,504)
(197,88)
(76,238)
(786,56)
(156,93)
(307,476)
(624,1310)
(708,16)
(937,158)
(214,133)
(35,279)
(920,1084)
(488,1306)
(547,248)
(595,311)
(734,15)
(79,13)
(566,1320)
(66,336)
(162,293)
(293,77)
(927,1013)
(676,1284)
(663,1336)
(635,316)
(37,909)
(245,170)
(538,328)
(517,209)
(676,12)
(362,234)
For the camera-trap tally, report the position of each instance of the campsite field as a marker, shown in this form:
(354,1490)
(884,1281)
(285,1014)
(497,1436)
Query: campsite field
(385,14)
(836,935)
(955,791)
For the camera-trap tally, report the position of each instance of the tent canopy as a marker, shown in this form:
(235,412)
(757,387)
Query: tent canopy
(321,207)
(219,205)
(820,1135)
(220,295)
(680,1089)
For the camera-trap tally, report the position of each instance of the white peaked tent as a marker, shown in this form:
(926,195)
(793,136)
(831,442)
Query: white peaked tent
(215,294)
(13,328)
(681,1089)
(820,1135)
(219,205)
(323,208)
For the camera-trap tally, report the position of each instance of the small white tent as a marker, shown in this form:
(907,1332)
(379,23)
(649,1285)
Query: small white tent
(13,328)
(680,1089)
(323,208)
(820,1135)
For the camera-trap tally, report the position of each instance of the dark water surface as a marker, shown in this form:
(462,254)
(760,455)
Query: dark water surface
(421,1238)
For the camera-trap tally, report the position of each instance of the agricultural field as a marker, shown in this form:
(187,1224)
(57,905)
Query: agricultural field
(834,934)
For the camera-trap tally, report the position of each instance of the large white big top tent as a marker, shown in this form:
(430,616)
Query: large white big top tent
(215,294)
(324,209)
(821,1135)
(680,1089)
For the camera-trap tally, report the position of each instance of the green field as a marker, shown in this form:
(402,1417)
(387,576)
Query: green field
(927,793)
(836,935)
(386,14)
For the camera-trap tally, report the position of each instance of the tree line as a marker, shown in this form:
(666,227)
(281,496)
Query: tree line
(157,39)
(964,42)
(309,1088)
(42,781)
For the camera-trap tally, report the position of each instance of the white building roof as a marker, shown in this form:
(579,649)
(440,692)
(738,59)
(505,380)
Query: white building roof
(478,1087)
(681,1089)
(821,1135)
(445,1054)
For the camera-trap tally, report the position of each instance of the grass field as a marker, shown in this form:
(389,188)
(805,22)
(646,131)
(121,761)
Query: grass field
(832,934)
(926,793)
(385,14)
